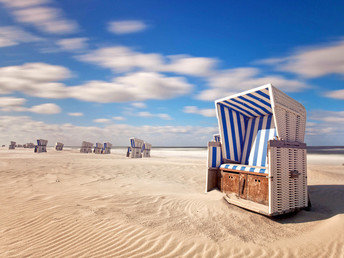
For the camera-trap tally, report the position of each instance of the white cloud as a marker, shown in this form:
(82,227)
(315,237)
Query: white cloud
(12,35)
(228,82)
(118,118)
(102,120)
(47,108)
(45,18)
(196,66)
(123,59)
(139,105)
(132,87)
(13,104)
(39,79)
(312,62)
(126,27)
(76,114)
(196,110)
(25,129)
(160,115)
(336,94)
(72,44)
(23,3)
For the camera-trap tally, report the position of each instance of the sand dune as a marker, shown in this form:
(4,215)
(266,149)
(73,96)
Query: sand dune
(60,204)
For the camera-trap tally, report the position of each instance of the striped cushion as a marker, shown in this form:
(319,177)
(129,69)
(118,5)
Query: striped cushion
(259,131)
(244,168)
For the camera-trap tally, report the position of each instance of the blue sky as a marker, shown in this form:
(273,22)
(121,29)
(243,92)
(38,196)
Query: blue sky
(108,70)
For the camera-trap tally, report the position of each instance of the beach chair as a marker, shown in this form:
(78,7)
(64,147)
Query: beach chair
(135,148)
(107,148)
(41,146)
(86,147)
(12,146)
(260,162)
(59,146)
(146,148)
(98,148)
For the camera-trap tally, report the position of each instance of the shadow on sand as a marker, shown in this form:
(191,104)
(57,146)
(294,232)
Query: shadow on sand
(327,201)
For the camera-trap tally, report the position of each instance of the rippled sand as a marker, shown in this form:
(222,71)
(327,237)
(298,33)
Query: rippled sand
(60,204)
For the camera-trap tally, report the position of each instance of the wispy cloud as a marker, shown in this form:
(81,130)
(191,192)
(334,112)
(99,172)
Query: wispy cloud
(72,44)
(335,94)
(160,115)
(123,59)
(76,114)
(13,35)
(102,120)
(312,62)
(118,118)
(41,80)
(228,82)
(199,111)
(39,14)
(13,104)
(126,27)
(139,105)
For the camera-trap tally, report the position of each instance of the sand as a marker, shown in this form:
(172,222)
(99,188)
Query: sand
(63,204)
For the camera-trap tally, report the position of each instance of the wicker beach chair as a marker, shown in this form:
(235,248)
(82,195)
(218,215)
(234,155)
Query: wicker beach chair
(59,146)
(146,148)
(260,162)
(41,146)
(136,148)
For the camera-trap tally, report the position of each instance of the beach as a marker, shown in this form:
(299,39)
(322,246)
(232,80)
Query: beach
(70,204)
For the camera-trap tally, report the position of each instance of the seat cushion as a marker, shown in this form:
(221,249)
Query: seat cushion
(245,168)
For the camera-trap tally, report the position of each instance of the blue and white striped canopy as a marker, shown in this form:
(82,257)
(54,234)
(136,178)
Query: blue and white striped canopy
(246,124)
(252,104)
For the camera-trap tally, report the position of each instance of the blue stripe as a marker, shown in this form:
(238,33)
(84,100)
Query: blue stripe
(249,113)
(225,132)
(243,168)
(244,104)
(259,99)
(250,140)
(233,135)
(267,133)
(251,169)
(239,128)
(258,140)
(255,104)
(263,94)
(262,170)
(234,167)
(213,164)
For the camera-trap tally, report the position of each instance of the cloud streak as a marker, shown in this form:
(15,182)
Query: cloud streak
(126,27)
(38,14)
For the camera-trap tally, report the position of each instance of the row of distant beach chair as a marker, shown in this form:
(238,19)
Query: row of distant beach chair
(138,148)
(86,147)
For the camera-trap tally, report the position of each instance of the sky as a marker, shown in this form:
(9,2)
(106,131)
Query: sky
(109,70)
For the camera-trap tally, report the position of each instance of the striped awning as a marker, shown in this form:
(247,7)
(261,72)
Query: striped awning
(251,104)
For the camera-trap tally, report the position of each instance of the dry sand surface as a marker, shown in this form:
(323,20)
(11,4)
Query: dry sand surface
(63,204)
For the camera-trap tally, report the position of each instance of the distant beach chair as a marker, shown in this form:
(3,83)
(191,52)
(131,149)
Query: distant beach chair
(98,148)
(41,146)
(106,148)
(59,146)
(12,146)
(86,147)
(135,148)
(260,163)
(146,148)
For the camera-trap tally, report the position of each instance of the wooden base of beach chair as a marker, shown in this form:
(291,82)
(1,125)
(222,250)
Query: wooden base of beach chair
(246,185)
(246,204)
